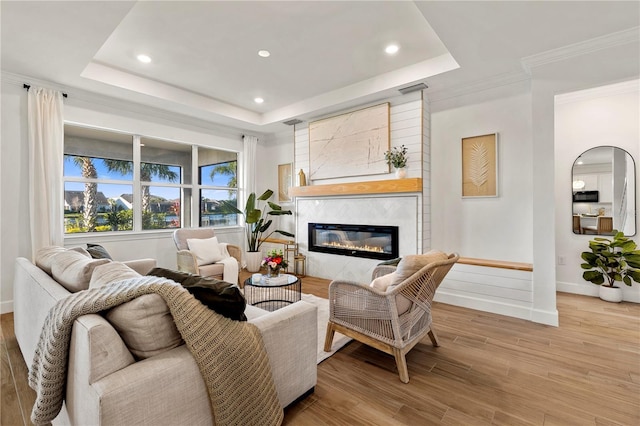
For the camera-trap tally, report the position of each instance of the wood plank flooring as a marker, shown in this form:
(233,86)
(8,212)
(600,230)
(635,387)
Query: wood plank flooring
(489,370)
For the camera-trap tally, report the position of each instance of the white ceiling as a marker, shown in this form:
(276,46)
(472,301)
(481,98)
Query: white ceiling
(325,56)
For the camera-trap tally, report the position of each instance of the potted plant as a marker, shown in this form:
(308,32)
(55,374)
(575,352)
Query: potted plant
(397,157)
(611,260)
(257,223)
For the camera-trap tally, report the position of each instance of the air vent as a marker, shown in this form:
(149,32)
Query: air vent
(414,88)
(292,122)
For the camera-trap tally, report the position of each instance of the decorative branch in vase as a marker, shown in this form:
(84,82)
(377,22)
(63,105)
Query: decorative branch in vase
(398,157)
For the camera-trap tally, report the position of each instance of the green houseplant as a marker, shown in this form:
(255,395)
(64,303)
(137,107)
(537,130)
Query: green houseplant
(397,157)
(611,260)
(257,222)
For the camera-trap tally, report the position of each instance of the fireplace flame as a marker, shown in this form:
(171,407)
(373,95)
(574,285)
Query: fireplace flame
(372,249)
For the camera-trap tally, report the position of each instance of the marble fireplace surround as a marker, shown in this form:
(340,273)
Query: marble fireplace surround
(403,211)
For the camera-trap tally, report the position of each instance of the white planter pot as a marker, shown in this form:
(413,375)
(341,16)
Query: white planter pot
(401,173)
(610,294)
(254,259)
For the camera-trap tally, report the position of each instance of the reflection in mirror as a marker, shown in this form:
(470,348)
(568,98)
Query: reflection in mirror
(604,192)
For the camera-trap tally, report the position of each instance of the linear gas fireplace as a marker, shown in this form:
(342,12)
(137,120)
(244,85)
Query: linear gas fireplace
(373,242)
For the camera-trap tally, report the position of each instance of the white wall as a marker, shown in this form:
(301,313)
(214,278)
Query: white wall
(498,228)
(83,108)
(608,115)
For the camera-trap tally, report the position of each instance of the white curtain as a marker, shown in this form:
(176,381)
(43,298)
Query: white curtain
(46,128)
(250,163)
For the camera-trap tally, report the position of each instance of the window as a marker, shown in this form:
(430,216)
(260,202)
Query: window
(106,190)
(218,171)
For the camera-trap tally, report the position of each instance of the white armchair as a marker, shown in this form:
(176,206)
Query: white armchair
(189,262)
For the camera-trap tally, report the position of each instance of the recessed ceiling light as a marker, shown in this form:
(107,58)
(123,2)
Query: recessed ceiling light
(391,49)
(264,53)
(145,59)
(258,100)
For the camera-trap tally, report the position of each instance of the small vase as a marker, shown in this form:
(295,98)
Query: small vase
(273,272)
(401,173)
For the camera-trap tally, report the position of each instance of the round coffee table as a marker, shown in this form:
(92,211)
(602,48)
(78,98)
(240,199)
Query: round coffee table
(273,293)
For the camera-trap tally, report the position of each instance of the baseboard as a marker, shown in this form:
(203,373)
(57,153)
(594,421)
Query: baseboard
(545,317)
(484,305)
(574,288)
(6,307)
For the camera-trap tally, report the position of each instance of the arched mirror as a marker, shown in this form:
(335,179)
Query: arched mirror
(604,192)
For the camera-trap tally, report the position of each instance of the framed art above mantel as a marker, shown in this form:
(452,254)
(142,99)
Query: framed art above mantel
(350,144)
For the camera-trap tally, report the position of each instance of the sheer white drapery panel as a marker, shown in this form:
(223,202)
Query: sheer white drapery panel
(46,144)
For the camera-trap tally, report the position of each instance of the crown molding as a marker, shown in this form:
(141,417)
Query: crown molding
(631,35)
(81,98)
(477,86)
(626,87)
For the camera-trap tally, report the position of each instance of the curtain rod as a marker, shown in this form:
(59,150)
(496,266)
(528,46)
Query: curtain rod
(26,86)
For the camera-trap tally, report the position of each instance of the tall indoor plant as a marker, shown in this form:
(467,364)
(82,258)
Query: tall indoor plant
(257,223)
(611,260)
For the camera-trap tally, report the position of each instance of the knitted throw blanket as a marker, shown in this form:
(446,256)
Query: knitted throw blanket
(230,354)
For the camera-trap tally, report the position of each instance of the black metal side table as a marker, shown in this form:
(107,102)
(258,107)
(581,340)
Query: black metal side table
(273,293)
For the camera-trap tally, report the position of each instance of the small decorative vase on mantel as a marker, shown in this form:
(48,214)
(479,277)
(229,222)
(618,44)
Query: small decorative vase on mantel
(401,173)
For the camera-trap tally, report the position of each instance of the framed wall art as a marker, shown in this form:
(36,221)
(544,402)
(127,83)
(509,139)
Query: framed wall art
(285,181)
(480,166)
(351,144)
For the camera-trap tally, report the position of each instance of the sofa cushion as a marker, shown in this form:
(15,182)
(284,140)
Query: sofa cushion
(73,270)
(145,325)
(412,263)
(206,250)
(110,273)
(98,252)
(220,296)
(44,256)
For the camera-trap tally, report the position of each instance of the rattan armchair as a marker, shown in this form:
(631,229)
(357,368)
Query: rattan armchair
(187,261)
(372,317)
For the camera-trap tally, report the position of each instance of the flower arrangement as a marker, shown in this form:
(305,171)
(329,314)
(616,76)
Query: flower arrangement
(397,157)
(275,261)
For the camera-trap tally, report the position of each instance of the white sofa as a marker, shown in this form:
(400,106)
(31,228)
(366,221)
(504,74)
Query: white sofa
(165,389)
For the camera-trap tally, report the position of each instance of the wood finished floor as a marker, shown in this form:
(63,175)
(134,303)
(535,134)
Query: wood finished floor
(489,369)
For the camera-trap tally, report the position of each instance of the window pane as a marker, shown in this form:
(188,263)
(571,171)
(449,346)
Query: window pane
(221,174)
(97,168)
(165,162)
(160,207)
(212,207)
(94,207)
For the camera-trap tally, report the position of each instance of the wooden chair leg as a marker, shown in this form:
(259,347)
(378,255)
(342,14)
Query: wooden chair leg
(328,340)
(434,338)
(401,362)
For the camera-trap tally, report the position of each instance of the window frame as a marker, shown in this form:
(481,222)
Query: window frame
(194,187)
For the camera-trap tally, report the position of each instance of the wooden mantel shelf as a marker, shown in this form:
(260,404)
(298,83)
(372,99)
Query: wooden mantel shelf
(391,186)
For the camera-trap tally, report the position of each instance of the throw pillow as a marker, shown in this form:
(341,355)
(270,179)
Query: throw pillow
(220,296)
(73,270)
(383,282)
(44,256)
(145,325)
(110,273)
(412,263)
(206,250)
(98,252)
